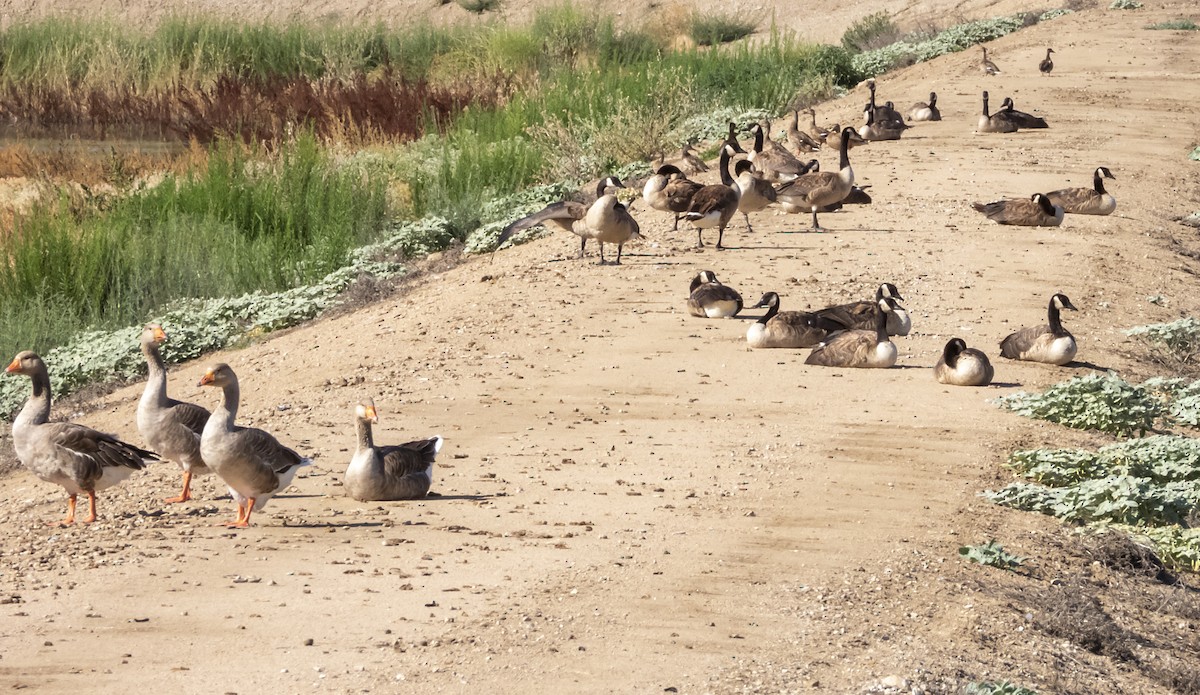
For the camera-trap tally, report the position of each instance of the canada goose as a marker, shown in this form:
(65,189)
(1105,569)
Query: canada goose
(1087,201)
(813,190)
(732,141)
(754,192)
(987,66)
(869,349)
(251,462)
(874,130)
(801,142)
(669,190)
(1022,119)
(713,206)
(710,299)
(170,427)
(78,458)
(397,472)
(607,220)
(996,123)
(1049,343)
(960,365)
(1046,65)
(783,329)
(886,116)
(921,111)
(774,164)
(1036,211)
(861,315)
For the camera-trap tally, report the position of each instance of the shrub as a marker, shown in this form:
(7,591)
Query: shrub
(715,29)
(1106,403)
(991,554)
(954,39)
(479,6)
(873,31)
(1176,25)
(1055,14)
(998,688)
(1125,5)
(1178,340)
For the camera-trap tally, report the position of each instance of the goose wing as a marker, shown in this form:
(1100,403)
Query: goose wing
(1018,343)
(565,214)
(679,193)
(263,448)
(189,415)
(845,348)
(83,453)
(408,458)
(801,188)
(1073,199)
(852,316)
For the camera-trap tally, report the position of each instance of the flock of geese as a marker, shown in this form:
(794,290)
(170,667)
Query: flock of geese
(255,466)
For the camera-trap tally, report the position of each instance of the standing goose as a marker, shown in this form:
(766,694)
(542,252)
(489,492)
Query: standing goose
(78,458)
(1087,201)
(713,206)
(774,163)
(801,142)
(811,129)
(1022,119)
(813,190)
(710,299)
(1050,343)
(380,473)
(1046,65)
(921,111)
(960,365)
(783,329)
(995,123)
(754,192)
(861,315)
(865,349)
(1035,211)
(170,427)
(254,465)
(669,190)
(987,66)
(687,154)
(607,220)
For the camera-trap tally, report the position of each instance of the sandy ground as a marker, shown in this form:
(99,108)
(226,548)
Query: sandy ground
(629,500)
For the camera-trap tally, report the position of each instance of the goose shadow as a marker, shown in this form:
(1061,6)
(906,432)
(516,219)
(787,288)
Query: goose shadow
(1007,384)
(452,498)
(1077,364)
(334,524)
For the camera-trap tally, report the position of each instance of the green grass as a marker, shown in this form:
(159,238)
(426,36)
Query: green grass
(1176,25)
(716,29)
(876,30)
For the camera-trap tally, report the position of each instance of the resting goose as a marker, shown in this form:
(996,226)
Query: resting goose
(713,206)
(251,462)
(669,190)
(874,130)
(1046,65)
(864,349)
(811,129)
(960,365)
(1036,211)
(754,192)
(783,329)
(382,473)
(801,142)
(710,299)
(170,427)
(886,116)
(775,164)
(1022,119)
(607,220)
(921,111)
(813,190)
(987,66)
(1050,343)
(78,458)
(1086,201)
(861,315)
(995,123)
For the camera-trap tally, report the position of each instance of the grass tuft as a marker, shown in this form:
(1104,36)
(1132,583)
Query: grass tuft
(716,29)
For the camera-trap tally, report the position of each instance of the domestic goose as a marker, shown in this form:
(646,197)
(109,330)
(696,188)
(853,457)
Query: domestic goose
(170,427)
(813,190)
(921,111)
(1035,211)
(1022,119)
(251,462)
(987,66)
(998,122)
(669,190)
(79,458)
(399,472)
(783,329)
(800,141)
(960,365)
(708,298)
(713,206)
(863,349)
(1086,201)
(1046,65)
(607,220)
(861,315)
(774,163)
(1049,343)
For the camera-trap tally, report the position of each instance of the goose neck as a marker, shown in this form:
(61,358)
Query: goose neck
(1054,317)
(366,440)
(1098,182)
(156,382)
(772,309)
(726,178)
(37,409)
(844,152)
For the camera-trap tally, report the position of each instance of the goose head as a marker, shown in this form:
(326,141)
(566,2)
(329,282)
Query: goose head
(153,334)
(704,277)
(219,375)
(1103,171)
(887,289)
(668,170)
(770,300)
(1044,203)
(952,350)
(985,100)
(1007,104)
(365,411)
(26,362)
(607,182)
(1063,301)
(933,98)
(1049,51)
(741,166)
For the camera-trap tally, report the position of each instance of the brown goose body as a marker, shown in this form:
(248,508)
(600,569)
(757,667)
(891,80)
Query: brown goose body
(754,192)
(998,122)
(861,349)
(388,473)
(1087,201)
(886,116)
(1049,343)
(607,220)
(1047,64)
(1035,211)
(1022,119)
(810,192)
(774,163)
(709,298)
(922,111)
(986,66)
(875,130)
(783,329)
(801,141)
(960,365)
(78,458)
(669,190)
(713,206)
(861,315)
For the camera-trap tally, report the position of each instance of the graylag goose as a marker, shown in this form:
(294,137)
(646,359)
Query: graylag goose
(754,192)
(811,129)
(986,66)
(708,298)
(686,160)
(775,163)
(382,473)
(251,462)
(170,427)
(998,122)
(1049,343)
(800,141)
(669,190)
(861,315)
(713,206)
(80,459)
(1022,119)
(1046,65)
(783,329)
(1086,201)
(960,365)
(607,220)
(862,349)
(921,111)
(813,190)
(1035,211)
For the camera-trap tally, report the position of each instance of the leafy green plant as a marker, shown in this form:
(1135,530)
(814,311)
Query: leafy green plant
(1176,546)
(719,28)
(1125,5)
(1055,14)
(872,31)
(1094,402)
(992,554)
(954,39)
(1181,399)
(998,688)
(1179,340)
(1176,25)
(479,6)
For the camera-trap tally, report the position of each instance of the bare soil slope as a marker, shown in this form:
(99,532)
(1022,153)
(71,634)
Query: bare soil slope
(629,500)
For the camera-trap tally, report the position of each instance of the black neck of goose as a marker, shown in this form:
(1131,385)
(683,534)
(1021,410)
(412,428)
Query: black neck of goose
(872,88)
(933,98)
(950,354)
(601,186)
(1098,182)
(881,333)
(758,140)
(844,151)
(772,309)
(985,105)
(1052,314)
(724,167)
(365,440)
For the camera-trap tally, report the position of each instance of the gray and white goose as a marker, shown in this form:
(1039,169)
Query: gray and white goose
(79,458)
(986,66)
(783,329)
(251,462)
(1087,201)
(814,190)
(922,111)
(1049,343)
(862,349)
(873,129)
(607,220)
(396,472)
(755,193)
(960,365)
(709,298)
(861,315)
(170,427)
(1035,211)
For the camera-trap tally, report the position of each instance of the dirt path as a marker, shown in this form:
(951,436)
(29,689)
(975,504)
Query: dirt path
(629,500)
